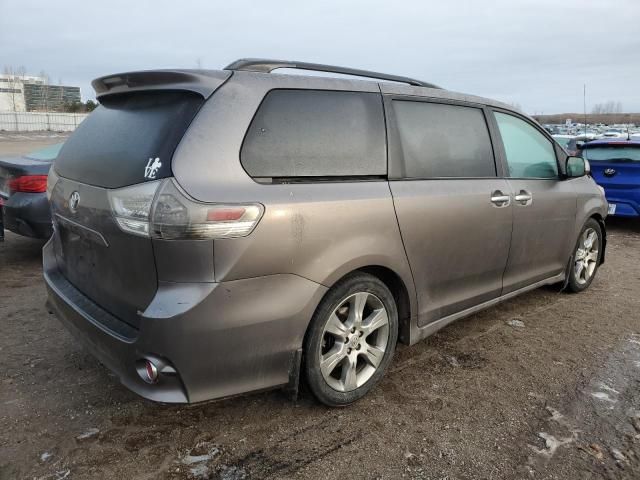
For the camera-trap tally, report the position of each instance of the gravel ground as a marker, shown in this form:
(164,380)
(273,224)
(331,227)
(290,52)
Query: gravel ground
(543,386)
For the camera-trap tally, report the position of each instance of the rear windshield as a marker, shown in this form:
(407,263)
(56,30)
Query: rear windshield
(128,139)
(612,154)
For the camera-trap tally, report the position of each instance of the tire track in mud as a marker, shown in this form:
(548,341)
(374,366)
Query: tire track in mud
(292,453)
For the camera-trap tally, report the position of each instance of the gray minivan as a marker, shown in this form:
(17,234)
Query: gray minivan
(220,232)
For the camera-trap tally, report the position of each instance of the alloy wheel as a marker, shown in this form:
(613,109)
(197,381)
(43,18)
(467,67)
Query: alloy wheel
(354,341)
(586,257)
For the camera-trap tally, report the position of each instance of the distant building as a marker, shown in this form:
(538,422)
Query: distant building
(49,98)
(32,94)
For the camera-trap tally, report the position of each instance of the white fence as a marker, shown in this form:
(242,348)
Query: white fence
(40,121)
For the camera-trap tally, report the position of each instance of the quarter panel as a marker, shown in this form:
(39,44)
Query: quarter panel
(318,231)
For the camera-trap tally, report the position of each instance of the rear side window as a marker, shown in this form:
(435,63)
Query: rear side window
(529,153)
(128,139)
(440,141)
(314,133)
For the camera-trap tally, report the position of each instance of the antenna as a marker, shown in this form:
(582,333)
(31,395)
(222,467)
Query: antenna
(584,102)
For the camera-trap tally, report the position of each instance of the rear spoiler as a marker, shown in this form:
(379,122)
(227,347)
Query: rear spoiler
(202,82)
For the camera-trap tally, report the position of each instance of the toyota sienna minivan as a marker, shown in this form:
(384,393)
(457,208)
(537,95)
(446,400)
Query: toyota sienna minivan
(221,232)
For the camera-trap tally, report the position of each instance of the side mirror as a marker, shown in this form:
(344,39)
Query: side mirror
(577,167)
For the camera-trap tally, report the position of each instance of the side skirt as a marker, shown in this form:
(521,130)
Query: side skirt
(419,333)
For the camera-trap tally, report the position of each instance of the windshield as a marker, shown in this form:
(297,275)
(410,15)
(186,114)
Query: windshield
(612,154)
(46,153)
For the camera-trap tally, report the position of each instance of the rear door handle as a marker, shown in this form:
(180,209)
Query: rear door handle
(524,198)
(499,199)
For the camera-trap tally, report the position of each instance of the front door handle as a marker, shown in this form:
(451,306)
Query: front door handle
(524,198)
(499,199)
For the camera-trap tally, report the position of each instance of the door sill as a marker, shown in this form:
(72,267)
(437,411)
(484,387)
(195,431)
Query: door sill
(419,333)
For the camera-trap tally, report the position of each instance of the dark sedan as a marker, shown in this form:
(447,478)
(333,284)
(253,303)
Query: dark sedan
(23,186)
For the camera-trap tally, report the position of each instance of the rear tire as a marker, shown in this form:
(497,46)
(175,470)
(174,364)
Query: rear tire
(351,340)
(586,257)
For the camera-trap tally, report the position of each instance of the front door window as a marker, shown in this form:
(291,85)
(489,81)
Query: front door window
(529,153)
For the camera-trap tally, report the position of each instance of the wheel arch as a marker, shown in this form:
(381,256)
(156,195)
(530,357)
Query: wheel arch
(400,293)
(399,290)
(598,218)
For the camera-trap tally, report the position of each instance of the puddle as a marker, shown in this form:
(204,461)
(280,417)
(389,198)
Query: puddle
(603,420)
(198,458)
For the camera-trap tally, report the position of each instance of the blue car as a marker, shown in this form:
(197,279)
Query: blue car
(615,166)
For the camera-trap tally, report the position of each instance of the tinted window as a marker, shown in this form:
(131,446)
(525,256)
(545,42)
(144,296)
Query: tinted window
(439,140)
(529,153)
(112,147)
(302,133)
(612,154)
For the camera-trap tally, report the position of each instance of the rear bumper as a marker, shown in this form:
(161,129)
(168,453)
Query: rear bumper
(217,339)
(28,214)
(627,203)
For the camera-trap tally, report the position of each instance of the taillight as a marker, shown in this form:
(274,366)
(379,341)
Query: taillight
(162,210)
(28,184)
(131,207)
(176,216)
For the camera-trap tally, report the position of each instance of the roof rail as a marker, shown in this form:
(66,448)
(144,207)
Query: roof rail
(265,65)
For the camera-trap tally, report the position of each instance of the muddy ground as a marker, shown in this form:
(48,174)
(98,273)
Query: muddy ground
(556,396)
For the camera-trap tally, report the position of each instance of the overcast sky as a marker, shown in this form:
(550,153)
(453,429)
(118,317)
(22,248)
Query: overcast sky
(537,54)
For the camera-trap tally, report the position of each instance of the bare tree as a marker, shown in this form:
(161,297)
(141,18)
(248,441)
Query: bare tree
(45,90)
(13,86)
(607,107)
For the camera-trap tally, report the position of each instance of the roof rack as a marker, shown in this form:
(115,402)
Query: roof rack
(265,65)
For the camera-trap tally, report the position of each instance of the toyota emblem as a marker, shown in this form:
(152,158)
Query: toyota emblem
(74,200)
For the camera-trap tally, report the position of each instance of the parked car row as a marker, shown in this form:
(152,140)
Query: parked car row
(593,131)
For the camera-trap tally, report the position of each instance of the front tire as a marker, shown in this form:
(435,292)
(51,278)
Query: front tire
(586,257)
(351,340)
